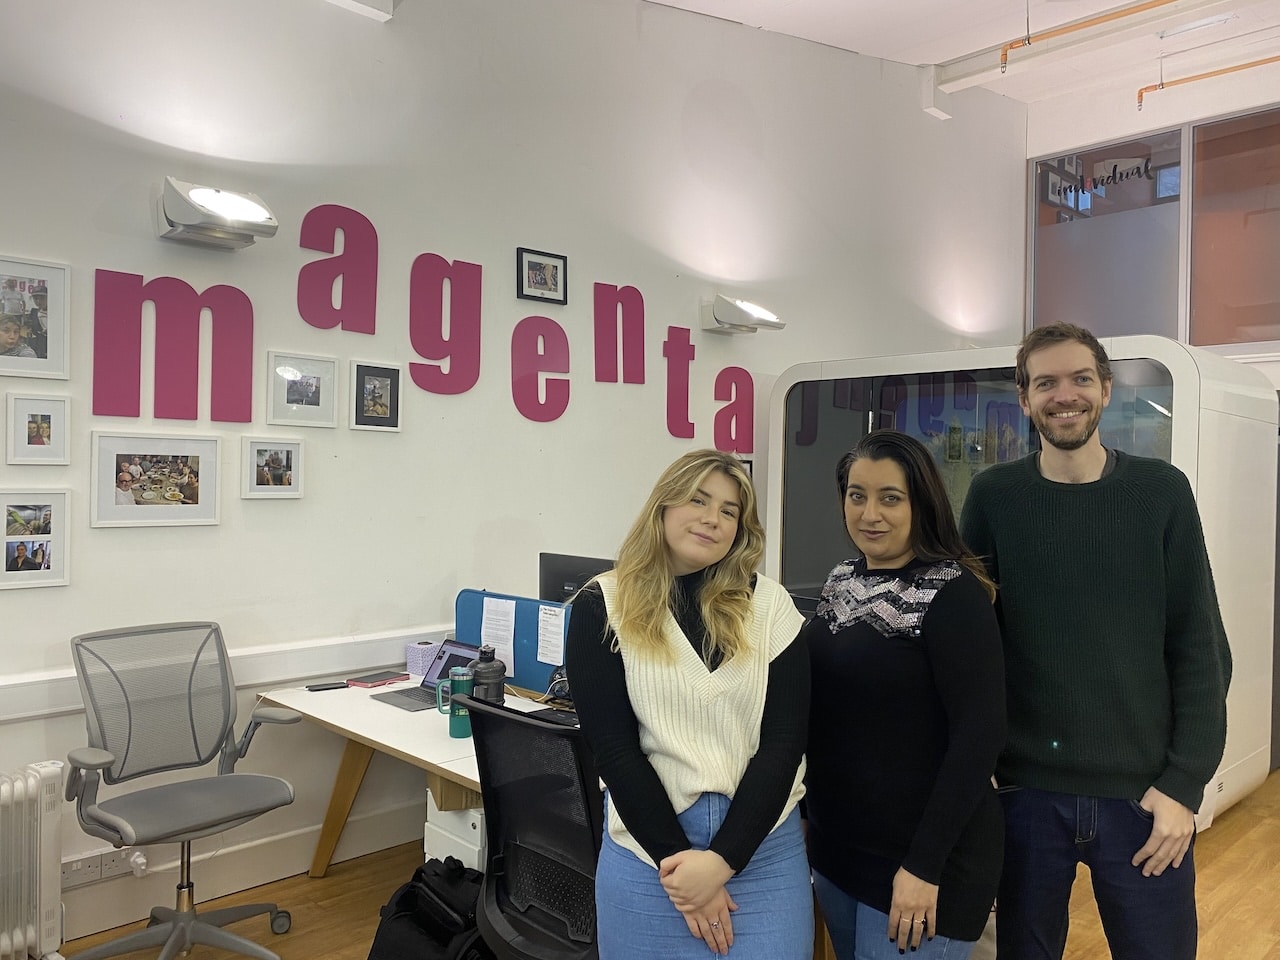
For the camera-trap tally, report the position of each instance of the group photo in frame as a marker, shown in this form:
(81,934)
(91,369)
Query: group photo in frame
(302,391)
(145,480)
(541,276)
(35,538)
(270,468)
(375,396)
(37,429)
(33,318)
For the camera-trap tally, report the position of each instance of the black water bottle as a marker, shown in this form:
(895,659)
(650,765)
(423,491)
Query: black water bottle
(491,677)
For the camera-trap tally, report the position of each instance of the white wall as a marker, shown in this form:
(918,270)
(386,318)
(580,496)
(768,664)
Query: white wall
(675,153)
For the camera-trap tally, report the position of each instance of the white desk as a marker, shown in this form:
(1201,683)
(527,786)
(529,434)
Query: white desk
(420,738)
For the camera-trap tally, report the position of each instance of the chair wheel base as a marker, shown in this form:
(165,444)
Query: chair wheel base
(281,921)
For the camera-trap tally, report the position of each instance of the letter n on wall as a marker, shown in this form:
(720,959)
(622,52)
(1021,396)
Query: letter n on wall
(117,348)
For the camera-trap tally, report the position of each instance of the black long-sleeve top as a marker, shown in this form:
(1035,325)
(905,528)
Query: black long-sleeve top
(597,678)
(907,720)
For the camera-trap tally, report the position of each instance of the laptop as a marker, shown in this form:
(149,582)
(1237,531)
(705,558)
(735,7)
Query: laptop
(450,653)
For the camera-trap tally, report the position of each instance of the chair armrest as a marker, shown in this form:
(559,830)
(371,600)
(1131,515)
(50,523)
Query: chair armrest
(232,751)
(274,715)
(82,759)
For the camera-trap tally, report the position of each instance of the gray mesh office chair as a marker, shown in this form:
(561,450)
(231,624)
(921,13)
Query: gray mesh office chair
(161,698)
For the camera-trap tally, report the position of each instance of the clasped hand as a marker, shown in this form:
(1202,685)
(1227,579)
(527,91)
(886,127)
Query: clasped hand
(694,880)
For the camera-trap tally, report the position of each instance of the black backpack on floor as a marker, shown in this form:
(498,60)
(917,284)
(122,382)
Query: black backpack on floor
(433,916)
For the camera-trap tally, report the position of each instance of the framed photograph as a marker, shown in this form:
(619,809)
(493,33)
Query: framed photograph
(1071,165)
(35,538)
(1053,189)
(1168,182)
(375,396)
(33,319)
(38,428)
(302,391)
(541,276)
(270,469)
(150,480)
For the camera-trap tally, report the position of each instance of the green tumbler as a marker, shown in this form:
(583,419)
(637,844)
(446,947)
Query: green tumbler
(461,680)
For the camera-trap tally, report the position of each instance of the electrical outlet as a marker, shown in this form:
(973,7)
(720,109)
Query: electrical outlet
(115,863)
(82,870)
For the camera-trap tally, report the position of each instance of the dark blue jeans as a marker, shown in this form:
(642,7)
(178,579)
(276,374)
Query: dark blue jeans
(1046,835)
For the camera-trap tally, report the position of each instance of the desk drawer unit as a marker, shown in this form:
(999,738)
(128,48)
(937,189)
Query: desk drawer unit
(455,833)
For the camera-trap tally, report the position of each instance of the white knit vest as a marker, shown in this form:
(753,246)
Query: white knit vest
(699,728)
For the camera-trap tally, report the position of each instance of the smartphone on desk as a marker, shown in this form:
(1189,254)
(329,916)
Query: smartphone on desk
(377,679)
(333,685)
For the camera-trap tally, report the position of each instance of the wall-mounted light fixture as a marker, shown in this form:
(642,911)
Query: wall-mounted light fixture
(727,315)
(210,216)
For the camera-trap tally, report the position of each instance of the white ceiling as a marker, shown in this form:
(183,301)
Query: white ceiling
(964,39)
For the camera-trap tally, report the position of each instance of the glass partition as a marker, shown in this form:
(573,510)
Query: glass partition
(1105,237)
(1235,231)
(969,419)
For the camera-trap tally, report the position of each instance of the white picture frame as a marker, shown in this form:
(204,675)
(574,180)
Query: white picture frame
(302,390)
(37,530)
(163,493)
(47,344)
(38,429)
(270,468)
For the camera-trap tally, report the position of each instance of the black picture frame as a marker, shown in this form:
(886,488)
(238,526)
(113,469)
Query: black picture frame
(375,396)
(541,276)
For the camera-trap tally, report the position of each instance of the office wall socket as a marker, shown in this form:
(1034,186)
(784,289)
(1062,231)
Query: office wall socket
(82,870)
(115,863)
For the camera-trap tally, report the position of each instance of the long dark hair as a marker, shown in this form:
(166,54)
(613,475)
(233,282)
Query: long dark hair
(934,534)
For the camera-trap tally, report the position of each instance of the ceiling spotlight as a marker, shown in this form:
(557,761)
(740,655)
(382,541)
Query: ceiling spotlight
(727,315)
(210,216)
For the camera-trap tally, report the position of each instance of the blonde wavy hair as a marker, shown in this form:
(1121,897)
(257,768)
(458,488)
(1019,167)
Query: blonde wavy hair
(646,579)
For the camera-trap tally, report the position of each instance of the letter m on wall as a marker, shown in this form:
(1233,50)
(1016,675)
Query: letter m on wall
(117,348)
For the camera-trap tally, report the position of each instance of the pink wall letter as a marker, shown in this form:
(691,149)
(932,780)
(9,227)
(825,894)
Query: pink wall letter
(117,348)
(460,343)
(538,346)
(735,421)
(616,306)
(356,266)
(679,353)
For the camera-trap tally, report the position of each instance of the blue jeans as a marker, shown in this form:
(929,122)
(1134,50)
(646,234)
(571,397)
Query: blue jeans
(774,920)
(861,932)
(1046,835)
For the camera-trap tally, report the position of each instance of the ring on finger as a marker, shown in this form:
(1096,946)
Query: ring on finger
(715,924)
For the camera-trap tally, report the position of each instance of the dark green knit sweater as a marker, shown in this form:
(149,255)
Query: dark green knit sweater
(1116,659)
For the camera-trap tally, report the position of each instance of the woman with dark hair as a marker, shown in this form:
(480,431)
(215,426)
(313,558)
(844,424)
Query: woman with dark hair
(694,696)
(907,718)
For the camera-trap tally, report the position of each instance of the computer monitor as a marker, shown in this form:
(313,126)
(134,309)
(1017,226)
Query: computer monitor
(561,575)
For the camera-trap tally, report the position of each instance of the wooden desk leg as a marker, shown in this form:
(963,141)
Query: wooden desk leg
(450,795)
(351,770)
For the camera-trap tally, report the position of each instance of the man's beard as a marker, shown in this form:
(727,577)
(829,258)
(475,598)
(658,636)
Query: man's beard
(1072,437)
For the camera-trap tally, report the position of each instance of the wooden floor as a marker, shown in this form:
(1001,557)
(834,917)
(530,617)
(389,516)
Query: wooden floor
(1238,884)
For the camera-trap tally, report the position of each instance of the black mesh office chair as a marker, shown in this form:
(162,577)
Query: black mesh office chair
(161,698)
(544,815)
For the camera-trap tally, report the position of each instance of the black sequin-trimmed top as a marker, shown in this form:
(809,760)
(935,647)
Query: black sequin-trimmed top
(906,722)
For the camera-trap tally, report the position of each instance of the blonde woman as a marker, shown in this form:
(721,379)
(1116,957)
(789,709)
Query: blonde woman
(694,698)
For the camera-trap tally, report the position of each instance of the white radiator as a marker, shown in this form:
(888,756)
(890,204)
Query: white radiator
(31,861)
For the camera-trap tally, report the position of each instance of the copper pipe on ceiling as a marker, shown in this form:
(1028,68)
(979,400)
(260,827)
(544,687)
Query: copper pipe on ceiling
(1153,87)
(1073,27)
